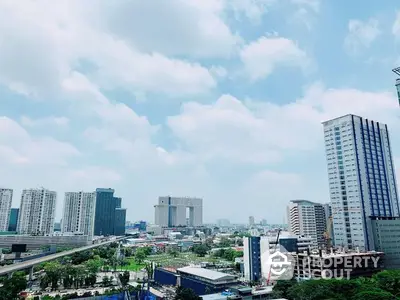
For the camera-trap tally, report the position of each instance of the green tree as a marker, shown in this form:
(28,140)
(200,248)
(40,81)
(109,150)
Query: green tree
(376,294)
(149,270)
(13,286)
(106,281)
(186,294)
(225,242)
(201,250)
(388,280)
(140,255)
(128,252)
(173,252)
(53,271)
(124,278)
(282,287)
(94,265)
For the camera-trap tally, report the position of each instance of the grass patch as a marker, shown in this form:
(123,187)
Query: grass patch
(133,266)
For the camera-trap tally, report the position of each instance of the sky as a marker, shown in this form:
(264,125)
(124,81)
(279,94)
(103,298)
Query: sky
(220,99)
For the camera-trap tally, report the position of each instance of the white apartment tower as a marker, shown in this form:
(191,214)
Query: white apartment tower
(179,211)
(37,210)
(5,208)
(307,219)
(362,179)
(79,212)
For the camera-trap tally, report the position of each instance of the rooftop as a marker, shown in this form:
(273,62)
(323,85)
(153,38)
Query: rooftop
(206,273)
(220,296)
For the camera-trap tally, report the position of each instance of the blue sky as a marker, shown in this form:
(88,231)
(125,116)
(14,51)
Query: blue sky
(215,98)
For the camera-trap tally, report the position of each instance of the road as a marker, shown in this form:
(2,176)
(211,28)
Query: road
(33,262)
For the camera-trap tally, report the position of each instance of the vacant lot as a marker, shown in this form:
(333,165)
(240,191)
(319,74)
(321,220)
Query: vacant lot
(182,259)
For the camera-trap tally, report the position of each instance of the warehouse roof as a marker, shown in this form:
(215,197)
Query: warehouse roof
(206,273)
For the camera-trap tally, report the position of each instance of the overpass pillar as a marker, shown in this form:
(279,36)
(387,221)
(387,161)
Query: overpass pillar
(31,273)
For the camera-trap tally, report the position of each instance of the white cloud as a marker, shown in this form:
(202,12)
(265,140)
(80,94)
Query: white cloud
(52,40)
(361,34)
(262,56)
(305,12)
(396,25)
(218,71)
(47,121)
(253,10)
(262,132)
(205,33)
(19,147)
(314,5)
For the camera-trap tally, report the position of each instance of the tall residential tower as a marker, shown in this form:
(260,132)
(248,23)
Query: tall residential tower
(79,209)
(5,208)
(362,179)
(308,219)
(36,213)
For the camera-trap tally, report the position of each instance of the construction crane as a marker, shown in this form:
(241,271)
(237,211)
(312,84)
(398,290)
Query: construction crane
(397,72)
(276,246)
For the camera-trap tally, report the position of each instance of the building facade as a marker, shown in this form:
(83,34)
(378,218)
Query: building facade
(362,179)
(178,211)
(36,213)
(308,219)
(120,219)
(109,216)
(79,211)
(12,225)
(105,212)
(387,240)
(5,208)
(254,248)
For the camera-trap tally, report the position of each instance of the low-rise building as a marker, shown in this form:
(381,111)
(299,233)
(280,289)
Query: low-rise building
(387,240)
(202,281)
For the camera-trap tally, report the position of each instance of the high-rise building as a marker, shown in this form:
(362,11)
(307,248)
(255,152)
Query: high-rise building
(308,219)
(118,202)
(251,221)
(179,211)
(362,179)
(120,219)
(36,213)
(254,247)
(12,225)
(5,208)
(106,204)
(109,216)
(79,209)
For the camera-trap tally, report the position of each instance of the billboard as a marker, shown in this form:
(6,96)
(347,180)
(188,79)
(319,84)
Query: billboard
(18,248)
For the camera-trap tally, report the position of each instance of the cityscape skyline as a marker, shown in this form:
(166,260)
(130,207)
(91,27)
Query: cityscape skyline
(230,115)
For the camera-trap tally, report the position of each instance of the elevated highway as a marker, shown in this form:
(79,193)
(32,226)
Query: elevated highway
(29,264)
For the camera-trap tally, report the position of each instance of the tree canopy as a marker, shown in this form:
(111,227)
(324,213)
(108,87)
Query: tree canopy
(384,285)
